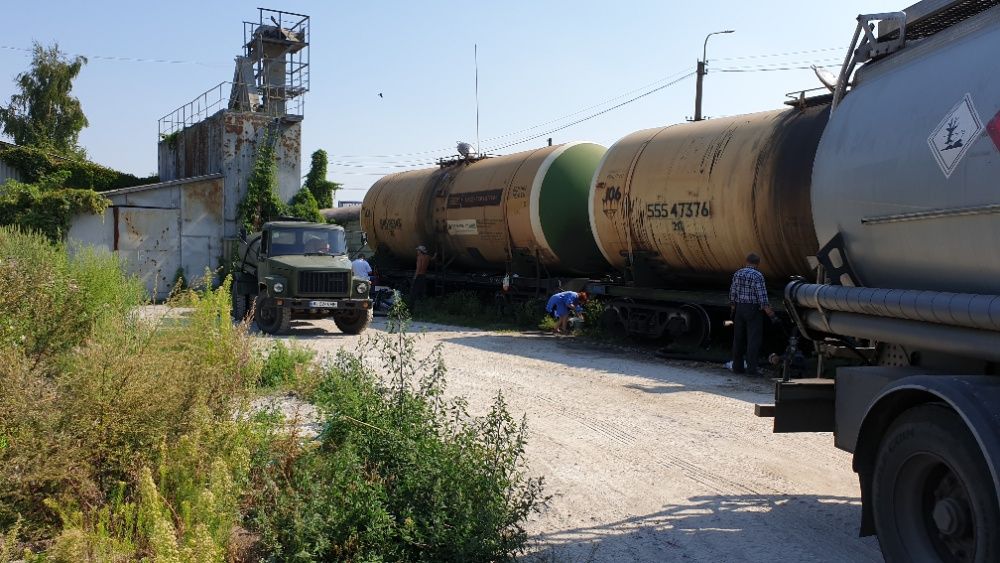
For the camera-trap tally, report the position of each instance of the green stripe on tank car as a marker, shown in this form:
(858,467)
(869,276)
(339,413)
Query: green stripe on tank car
(563,209)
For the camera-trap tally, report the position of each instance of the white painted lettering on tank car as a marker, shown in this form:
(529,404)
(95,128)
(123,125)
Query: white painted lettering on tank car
(463,227)
(956,133)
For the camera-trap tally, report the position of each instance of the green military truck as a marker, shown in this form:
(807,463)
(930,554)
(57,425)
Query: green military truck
(298,270)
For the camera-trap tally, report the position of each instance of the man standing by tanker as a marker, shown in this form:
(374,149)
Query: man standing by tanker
(418,290)
(747,299)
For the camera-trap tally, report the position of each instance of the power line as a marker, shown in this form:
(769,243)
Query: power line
(588,108)
(771,69)
(593,115)
(121,59)
(771,55)
(790,63)
(526,129)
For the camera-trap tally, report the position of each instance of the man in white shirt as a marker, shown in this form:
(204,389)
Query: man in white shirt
(362,269)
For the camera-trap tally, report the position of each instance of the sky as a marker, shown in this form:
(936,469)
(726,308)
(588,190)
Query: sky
(542,67)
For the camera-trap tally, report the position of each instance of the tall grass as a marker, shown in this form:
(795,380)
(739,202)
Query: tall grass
(94,397)
(126,438)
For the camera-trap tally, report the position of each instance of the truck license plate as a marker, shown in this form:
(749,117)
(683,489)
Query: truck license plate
(323,304)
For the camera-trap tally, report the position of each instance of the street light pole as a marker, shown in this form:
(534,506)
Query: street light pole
(702,71)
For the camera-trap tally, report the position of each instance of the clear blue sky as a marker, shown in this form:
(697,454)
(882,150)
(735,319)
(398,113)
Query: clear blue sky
(538,62)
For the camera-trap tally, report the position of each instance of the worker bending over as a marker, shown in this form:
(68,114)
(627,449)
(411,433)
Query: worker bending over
(562,305)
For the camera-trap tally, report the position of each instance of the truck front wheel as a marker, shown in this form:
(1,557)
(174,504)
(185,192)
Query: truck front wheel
(932,493)
(353,322)
(272,319)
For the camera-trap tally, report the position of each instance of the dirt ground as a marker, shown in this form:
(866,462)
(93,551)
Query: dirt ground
(650,460)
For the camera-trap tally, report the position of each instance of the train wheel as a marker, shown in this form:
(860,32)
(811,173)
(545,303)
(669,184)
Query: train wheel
(611,321)
(699,326)
(933,495)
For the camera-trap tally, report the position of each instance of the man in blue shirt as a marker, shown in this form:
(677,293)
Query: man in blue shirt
(747,298)
(562,304)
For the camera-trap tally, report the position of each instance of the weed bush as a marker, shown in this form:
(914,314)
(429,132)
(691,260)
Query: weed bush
(401,474)
(93,395)
(126,438)
(284,364)
(593,318)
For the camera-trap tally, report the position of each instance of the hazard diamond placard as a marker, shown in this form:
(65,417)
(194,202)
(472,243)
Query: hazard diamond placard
(955,134)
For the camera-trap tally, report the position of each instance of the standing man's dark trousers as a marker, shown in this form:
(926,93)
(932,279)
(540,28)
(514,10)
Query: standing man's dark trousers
(748,329)
(418,290)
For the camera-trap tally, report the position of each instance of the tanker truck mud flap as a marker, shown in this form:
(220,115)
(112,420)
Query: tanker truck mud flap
(801,405)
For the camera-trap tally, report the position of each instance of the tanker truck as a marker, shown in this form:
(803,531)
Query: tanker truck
(904,196)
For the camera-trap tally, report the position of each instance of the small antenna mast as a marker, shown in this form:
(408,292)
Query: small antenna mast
(475,54)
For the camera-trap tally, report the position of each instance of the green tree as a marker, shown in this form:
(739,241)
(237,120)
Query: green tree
(261,204)
(321,188)
(44,114)
(303,206)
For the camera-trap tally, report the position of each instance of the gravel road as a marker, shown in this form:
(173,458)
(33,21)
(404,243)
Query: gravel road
(648,460)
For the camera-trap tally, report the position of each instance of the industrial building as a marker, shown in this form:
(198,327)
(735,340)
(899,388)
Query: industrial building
(206,150)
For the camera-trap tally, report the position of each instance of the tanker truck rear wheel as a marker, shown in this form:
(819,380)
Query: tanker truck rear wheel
(353,322)
(932,493)
(272,319)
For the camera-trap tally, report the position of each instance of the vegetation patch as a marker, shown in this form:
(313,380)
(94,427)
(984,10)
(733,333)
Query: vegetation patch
(472,309)
(399,472)
(127,439)
(45,207)
(316,182)
(34,164)
(479,310)
(303,206)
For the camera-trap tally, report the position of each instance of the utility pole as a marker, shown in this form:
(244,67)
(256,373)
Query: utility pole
(702,71)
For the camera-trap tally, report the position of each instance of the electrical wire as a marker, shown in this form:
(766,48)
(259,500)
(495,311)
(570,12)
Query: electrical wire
(772,55)
(121,59)
(790,63)
(593,115)
(772,69)
(526,129)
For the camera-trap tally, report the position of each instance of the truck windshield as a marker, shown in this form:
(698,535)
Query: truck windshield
(287,240)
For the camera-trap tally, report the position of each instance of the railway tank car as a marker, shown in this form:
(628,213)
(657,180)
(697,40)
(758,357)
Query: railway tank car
(686,203)
(520,213)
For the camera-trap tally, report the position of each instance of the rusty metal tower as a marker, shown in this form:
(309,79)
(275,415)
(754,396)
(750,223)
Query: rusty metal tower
(272,74)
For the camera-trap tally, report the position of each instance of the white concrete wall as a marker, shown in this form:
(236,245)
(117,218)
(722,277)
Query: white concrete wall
(158,229)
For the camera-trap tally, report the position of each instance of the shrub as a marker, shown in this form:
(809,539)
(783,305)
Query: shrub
(34,164)
(90,391)
(284,364)
(400,474)
(303,206)
(593,318)
(46,207)
(261,203)
(529,313)
(125,438)
(316,182)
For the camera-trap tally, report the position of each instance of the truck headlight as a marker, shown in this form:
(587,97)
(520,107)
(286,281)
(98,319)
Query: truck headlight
(278,287)
(362,287)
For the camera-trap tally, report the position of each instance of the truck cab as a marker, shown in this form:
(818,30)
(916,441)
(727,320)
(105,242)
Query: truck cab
(299,270)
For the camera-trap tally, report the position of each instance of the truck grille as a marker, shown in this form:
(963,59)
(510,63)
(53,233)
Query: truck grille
(325,283)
